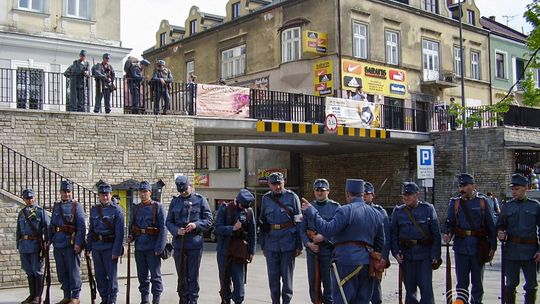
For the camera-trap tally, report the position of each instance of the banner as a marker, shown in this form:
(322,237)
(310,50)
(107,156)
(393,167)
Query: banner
(222,101)
(374,79)
(201,179)
(315,42)
(322,78)
(354,113)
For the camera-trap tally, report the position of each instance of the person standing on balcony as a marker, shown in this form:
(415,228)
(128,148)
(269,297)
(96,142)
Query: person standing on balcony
(67,231)
(32,237)
(359,95)
(104,74)
(280,237)
(161,82)
(78,73)
(192,89)
(135,76)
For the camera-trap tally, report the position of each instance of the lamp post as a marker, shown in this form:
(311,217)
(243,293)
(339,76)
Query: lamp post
(462,68)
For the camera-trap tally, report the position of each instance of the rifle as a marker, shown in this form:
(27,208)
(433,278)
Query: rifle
(128,271)
(183,262)
(502,272)
(91,280)
(47,274)
(448,293)
(400,283)
(317,267)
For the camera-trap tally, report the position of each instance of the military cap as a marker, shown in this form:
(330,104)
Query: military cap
(518,180)
(368,188)
(409,187)
(82,53)
(354,185)
(161,62)
(104,188)
(321,183)
(28,193)
(106,56)
(465,179)
(182,183)
(145,62)
(276,178)
(66,186)
(245,198)
(144,185)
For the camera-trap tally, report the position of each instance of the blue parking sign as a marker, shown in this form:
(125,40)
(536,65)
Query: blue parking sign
(425,162)
(426,157)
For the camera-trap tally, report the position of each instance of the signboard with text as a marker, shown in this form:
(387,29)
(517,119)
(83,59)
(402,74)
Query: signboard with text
(425,162)
(315,42)
(322,78)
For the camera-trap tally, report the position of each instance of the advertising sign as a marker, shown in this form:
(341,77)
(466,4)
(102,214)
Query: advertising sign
(222,101)
(262,174)
(315,42)
(354,113)
(322,78)
(201,179)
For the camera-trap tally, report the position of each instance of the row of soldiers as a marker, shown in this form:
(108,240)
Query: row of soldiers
(347,246)
(79,72)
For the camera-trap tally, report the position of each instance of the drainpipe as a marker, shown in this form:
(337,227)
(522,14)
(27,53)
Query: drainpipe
(489,70)
(246,171)
(339,47)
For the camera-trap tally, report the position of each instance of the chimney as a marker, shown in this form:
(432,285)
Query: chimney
(492,18)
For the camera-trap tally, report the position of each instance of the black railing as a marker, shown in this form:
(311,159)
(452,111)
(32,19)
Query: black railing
(275,105)
(20,172)
(522,117)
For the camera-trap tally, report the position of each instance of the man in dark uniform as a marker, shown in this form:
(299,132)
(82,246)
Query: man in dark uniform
(147,228)
(105,242)
(161,80)
(135,77)
(518,225)
(280,237)
(369,194)
(355,230)
(78,74)
(416,243)
(104,74)
(32,236)
(235,225)
(188,217)
(470,221)
(68,229)
(318,248)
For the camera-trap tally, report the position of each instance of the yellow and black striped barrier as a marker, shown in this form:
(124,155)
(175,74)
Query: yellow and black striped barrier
(308,128)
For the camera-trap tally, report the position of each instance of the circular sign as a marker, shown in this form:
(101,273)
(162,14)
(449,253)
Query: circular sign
(330,122)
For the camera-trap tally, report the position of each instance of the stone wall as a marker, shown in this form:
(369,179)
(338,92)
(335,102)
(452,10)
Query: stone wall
(10,264)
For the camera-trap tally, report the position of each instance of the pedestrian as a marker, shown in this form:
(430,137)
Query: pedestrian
(192,88)
(135,76)
(416,243)
(519,226)
(147,228)
(280,237)
(235,231)
(188,217)
(32,237)
(355,230)
(67,231)
(318,248)
(104,74)
(105,242)
(369,195)
(359,95)
(161,82)
(470,223)
(78,74)
(494,203)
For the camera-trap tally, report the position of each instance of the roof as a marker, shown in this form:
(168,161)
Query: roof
(502,30)
(176,28)
(212,17)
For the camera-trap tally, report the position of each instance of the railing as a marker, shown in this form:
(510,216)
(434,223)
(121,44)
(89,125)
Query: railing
(275,105)
(20,172)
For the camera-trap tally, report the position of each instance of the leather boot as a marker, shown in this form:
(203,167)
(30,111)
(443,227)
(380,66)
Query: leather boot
(530,297)
(38,290)
(31,288)
(509,296)
(74,301)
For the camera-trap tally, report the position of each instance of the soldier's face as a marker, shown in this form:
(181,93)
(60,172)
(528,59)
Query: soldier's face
(466,190)
(321,194)
(105,197)
(276,188)
(368,197)
(410,199)
(144,195)
(187,192)
(65,195)
(29,201)
(518,192)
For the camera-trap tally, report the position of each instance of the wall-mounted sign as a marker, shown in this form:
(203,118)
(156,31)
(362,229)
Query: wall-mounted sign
(315,42)
(262,174)
(323,78)
(201,179)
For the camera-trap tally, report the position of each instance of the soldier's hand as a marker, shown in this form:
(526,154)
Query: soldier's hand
(318,238)
(537,257)
(88,253)
(250,258)
(305,204)
(298,252)
(501,235)
(190,227)
(399,258)
(130,238)
(78,249)
(181,231)
(447,238)
(313,247)
(237,226)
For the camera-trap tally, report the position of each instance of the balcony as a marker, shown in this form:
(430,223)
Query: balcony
(436,80)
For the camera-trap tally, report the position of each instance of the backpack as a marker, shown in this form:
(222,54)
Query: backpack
(129,63)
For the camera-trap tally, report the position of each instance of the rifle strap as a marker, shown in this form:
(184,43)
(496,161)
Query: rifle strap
(105,220)
(468,216)
(282,205)
(30,223)
(154,213)
(415,223)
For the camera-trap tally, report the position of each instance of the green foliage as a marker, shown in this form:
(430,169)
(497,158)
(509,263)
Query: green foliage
(532,15)
(492,113)
(531,94)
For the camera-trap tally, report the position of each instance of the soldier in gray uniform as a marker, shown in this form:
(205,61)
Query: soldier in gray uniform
(135,76)
(32,236)
(161,80)
(518,225)
(104,74)
(78,73)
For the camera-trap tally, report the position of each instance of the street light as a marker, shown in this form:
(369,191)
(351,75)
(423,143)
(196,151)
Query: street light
(462,68)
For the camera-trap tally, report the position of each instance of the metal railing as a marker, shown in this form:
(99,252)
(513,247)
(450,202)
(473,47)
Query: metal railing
(20,172)
(275,105)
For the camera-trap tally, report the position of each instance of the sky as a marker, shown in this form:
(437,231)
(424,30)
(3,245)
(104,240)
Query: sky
(140,19)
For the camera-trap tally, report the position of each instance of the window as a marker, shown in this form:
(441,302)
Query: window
(236,10)
(360,39)
(475,65)
(537,78)
(30,92)
(430,6)
(290,44)
(201,157)
(192,27)
(392,47)
(233,62)
(470,17)
(430,60)
(31,5)
(162,39)
(227,157)
(78,8)
(500,65)
(190,69)
(457,61)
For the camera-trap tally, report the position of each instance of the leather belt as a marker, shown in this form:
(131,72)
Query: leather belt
(352,243)
(148,230)
(281,226)
(104,238)
(412,243)
(30,237)
(465,233)
(65,229)
(523,241)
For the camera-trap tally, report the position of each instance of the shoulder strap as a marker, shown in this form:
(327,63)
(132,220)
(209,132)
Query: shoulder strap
(275,199)
(105,220)
(30,223)
(154,213)
(468,216)
(413,220)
